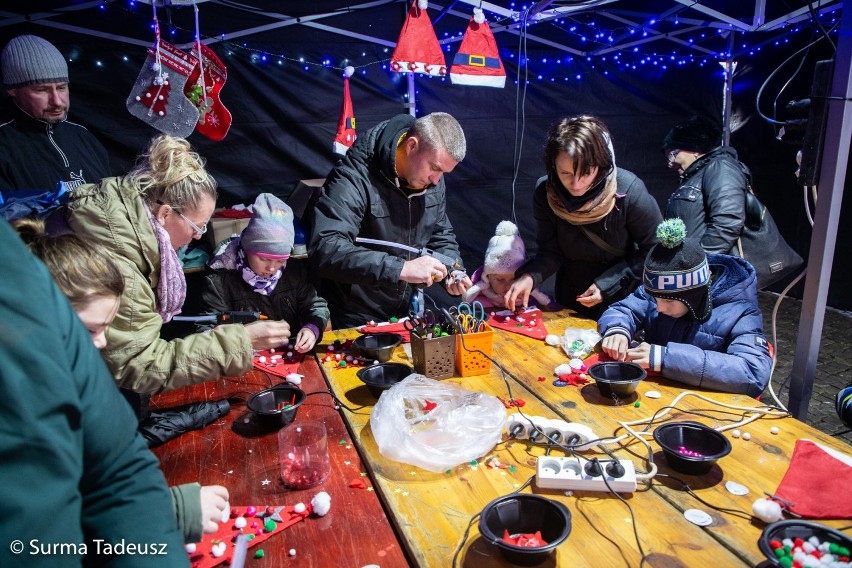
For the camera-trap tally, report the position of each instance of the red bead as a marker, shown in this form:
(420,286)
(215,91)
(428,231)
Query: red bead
(772,543)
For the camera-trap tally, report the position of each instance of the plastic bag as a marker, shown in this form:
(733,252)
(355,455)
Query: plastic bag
(579,342)
(436,425)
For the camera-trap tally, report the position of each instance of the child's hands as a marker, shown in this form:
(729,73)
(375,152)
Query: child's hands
(214,502)
(616,346)
(591,297)
(305,340)
(268,334)
(520,289)
(641,355)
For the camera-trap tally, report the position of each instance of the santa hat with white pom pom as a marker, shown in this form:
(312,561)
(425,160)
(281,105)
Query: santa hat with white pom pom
(345,136)
(417,49)
(478,60)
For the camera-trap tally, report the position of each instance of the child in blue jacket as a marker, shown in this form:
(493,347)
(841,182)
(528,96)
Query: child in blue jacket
(699,314)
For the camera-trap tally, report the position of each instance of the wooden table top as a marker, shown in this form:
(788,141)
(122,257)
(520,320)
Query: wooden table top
(240,456)
(432,510)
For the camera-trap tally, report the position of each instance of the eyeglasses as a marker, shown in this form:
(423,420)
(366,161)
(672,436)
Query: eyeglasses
(673,154)
(198,230)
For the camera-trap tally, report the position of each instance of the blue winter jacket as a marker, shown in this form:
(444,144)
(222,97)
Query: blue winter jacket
(728,352)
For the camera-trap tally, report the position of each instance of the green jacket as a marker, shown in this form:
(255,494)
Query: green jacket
(112,214)
(76,475)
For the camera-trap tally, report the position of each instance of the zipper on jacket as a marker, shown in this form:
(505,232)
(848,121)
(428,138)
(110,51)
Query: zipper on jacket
(55,145)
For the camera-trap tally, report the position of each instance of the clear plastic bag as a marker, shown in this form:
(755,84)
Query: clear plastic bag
(579,342)
(436,425)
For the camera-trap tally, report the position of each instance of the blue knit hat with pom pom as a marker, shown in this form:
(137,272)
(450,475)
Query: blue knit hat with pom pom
(677,269)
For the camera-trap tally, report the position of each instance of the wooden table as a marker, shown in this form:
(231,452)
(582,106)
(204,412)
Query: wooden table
(235,453)
(432,510)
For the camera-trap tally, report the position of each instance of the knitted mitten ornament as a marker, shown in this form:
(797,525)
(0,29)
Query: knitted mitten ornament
(214,119)
(157,96)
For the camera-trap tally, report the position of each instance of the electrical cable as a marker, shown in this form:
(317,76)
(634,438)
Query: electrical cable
(632,515)
(685,487)
(815,18)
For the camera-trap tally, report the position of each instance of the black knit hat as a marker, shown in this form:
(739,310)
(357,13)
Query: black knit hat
(696,134)
(676,269)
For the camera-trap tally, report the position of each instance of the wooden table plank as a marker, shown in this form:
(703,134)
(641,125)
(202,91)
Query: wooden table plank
(431,510)
(238,455)
(759,463)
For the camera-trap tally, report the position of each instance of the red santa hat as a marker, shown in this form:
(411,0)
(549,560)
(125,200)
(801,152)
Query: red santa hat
(478,61)
(345,136)
(417,49)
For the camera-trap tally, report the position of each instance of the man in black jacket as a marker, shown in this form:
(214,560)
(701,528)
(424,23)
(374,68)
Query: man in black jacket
(388,187)
(711,198)
(39,147)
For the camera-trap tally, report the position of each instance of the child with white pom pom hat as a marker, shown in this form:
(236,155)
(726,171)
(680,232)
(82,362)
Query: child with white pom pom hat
(505,254)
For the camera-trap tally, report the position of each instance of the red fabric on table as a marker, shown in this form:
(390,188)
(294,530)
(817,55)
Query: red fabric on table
(231,214)
(282,367)
(816,482)
(386,327)
(203,557)
(511,323)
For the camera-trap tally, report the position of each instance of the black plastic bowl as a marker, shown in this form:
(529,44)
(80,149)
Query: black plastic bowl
(695,437)
(525,514)
(379,346)
(616,378)
(794,529)
(265,405)
(383,376)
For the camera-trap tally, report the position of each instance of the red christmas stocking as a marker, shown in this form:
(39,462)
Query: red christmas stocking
(214,119)
(157,96)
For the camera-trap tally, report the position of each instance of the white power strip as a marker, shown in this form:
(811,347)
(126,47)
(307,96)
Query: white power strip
(576,473)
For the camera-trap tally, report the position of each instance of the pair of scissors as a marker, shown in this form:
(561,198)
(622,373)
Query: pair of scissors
(424,325)
(471,317)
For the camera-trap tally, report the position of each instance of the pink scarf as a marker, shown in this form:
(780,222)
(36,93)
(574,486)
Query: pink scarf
(171,288)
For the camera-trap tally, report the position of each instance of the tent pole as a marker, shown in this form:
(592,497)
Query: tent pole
(729,86)
(826,220)
(411,103)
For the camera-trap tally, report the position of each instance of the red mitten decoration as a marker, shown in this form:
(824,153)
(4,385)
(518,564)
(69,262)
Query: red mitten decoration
(157,96)
(387,327)
(214,119)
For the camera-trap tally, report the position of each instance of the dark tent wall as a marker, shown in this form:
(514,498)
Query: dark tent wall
(285,116)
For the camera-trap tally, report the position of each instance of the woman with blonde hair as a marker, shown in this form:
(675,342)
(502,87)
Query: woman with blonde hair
(93,284)
(142,219)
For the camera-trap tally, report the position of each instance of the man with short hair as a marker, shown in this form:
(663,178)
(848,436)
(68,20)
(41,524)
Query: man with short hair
(39,146)
(388,187)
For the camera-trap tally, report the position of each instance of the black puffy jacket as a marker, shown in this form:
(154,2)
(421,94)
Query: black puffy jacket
(711,200)
(361,198)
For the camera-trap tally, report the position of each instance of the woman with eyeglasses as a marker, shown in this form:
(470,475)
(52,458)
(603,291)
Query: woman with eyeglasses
(142,219)
(596,222)
(710,199)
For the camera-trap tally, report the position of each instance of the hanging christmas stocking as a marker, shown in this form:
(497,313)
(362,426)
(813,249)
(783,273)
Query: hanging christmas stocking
(214,119)
(157,96)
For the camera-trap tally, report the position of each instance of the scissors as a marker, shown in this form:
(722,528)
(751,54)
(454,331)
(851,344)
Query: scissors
(424,325)
(471,317)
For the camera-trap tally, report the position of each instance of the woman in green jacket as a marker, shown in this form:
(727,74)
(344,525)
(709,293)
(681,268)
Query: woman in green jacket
(142,219)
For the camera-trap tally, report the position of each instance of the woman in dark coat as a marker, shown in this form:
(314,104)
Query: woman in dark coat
(596,222)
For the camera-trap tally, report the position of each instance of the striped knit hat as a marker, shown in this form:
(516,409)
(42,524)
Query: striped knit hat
(31,60)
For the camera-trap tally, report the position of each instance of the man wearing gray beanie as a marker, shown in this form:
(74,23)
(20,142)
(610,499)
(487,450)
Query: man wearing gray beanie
(39,146)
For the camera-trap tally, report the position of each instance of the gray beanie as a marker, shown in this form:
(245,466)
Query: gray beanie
(270,231)
(30,60)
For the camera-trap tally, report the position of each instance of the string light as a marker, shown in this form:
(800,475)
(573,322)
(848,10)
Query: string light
(602,52)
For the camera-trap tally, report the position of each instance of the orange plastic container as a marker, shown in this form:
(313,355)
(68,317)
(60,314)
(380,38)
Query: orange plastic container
(469,360)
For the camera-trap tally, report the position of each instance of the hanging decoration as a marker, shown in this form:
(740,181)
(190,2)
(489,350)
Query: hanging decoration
(157,97)
(478,60)
(345,136)
(203,88)
(417,49)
